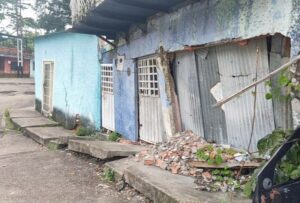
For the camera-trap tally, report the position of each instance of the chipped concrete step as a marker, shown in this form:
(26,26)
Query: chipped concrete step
(162,186)
(24,113)
(44,135)
(33,122)
(103,149)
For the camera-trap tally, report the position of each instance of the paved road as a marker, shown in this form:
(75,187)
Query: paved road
(32,173)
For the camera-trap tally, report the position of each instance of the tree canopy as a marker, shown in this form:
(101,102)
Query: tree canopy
(53,15)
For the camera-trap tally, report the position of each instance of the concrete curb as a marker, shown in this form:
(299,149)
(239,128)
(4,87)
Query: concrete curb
(162,186)
(103,149)
(22,123)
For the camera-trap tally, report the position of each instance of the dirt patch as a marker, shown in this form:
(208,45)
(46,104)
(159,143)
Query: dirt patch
(29,93)
(7,92)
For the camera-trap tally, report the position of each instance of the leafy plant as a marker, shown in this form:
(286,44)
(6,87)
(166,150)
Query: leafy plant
(283,87)
(289,167)
(114,136)
(203,154)
(109,175)
(269,144)
(82,131)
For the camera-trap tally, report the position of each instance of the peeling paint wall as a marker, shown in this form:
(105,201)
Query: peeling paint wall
(76,86)
(126,100)
(204,23)
(210,22)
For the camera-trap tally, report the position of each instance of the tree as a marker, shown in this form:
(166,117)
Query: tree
(12,11)
(53,15)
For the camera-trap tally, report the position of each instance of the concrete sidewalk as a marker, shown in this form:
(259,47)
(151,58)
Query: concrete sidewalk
(30,172)
(159,185)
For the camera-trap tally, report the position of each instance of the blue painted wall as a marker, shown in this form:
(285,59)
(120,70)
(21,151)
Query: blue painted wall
(76,88)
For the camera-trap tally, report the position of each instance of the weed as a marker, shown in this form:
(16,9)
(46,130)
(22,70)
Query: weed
(204,155)
(8,123)
(114,136)
(109,175)
(82,131)
(6,113)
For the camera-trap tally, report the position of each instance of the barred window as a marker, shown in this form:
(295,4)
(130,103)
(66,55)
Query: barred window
(148,77)
(107,78)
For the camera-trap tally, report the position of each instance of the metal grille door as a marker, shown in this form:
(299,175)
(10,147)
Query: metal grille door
(150,109)
(47,87)
(108,111)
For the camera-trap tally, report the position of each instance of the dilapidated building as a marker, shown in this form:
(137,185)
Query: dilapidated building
(174,59)
(67,79)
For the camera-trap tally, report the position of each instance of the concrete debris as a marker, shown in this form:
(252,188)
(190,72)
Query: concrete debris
(215,167)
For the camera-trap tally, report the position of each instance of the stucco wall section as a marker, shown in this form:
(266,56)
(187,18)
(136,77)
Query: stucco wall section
(76,88)
(210,22)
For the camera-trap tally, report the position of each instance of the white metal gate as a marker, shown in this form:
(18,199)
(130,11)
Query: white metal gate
(108,111)
(150,109)
(47,87)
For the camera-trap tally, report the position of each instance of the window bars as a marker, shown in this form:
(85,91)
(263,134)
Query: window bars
(148,77)
(107,78)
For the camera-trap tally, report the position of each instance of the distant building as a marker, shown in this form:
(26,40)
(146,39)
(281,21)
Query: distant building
(9,62)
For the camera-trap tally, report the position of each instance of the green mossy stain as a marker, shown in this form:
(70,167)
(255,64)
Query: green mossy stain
(225,12)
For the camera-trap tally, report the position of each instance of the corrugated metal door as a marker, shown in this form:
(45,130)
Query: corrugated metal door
(47,87)
(214,118)
(108,110)
(237,66)
(151,127)
(187,86)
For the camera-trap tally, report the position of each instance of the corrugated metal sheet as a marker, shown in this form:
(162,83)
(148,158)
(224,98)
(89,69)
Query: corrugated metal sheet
(214,118)
(151,120)
(188,92)
(237,65)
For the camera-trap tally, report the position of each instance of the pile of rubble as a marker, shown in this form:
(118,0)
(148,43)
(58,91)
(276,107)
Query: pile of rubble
(215,167)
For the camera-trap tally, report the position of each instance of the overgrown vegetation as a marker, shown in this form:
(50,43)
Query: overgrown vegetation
(213,156)
(109,175)
(269,144)
(284,87)
(83,131)
(287,169)
(114,136)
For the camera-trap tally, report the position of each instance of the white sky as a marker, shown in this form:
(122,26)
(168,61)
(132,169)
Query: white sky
(26,13)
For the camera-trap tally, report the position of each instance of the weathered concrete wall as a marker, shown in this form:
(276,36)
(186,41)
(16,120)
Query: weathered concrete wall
(210,22)
(203,23)
(76,88)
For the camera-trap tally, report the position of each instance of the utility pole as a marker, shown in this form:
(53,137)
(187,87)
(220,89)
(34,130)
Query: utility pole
(19,29)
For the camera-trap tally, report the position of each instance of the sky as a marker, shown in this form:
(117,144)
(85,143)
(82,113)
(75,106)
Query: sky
(25,13)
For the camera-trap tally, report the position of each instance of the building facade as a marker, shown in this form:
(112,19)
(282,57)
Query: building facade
(174,59)
(9,62)
(67,79)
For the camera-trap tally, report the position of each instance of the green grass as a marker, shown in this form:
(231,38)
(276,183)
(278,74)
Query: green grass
(82,131)
(109,175)
(114,136)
